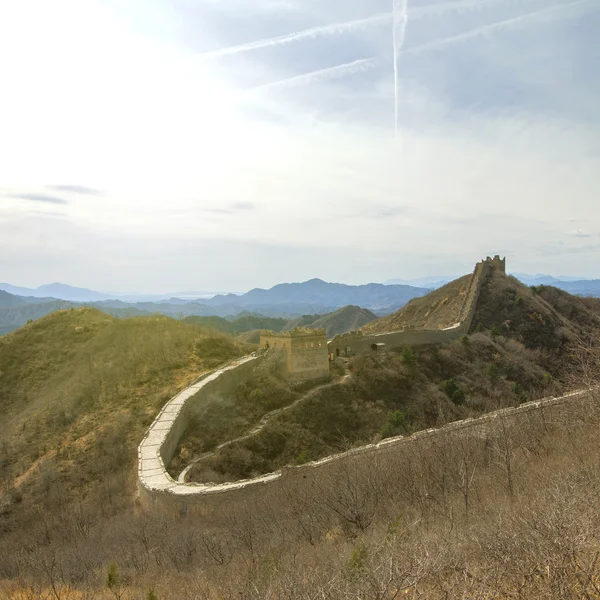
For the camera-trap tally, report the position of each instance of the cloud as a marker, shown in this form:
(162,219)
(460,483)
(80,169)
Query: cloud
(365,64)
(243,206)
(351,68)
(41,198)
(232,209)
(75,189)
(578,233)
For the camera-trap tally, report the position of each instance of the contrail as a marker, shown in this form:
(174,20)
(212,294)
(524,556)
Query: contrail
(367,63)
(357,66)
(311,33)
(492,27)
(400,12)
(347,26)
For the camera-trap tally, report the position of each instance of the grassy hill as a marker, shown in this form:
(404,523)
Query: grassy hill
(78,389)
(436,310)
(240,324)
(247,328)
(345,319)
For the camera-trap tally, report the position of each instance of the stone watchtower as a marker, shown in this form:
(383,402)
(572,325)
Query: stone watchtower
(305,350)
(497,263)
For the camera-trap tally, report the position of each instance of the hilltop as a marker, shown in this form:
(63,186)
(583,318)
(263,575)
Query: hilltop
(248,327)
(78,389)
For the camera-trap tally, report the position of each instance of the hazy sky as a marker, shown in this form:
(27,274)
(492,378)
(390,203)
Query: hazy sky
(163,145)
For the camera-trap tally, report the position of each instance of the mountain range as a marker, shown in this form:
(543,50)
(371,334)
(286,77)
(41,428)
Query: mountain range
(286,301)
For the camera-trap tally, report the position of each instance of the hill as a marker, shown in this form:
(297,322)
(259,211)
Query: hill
(239,325)
(589,287)
(15,316)
(349,318)
(9,301)
(436,310)
(78,388)
(248,327)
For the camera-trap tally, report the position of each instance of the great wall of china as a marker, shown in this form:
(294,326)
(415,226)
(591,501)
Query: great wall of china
(158,490)
(355,342)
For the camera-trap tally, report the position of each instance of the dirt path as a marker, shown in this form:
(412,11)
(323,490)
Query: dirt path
(258,428)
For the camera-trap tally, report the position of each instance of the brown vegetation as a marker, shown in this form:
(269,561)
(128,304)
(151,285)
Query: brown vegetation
(507,511)
(77,391)
(439,309)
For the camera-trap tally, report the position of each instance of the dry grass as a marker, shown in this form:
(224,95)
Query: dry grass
(77,391)
(437,310)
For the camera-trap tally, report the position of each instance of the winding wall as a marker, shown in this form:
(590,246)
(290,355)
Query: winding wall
(158,490)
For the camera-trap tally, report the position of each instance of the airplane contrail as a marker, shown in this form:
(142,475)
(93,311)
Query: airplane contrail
(367,63)
(311,33)
(400,19)
(550,10)
(354,25)
(357,66)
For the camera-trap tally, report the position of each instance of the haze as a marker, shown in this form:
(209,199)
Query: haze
(173,145)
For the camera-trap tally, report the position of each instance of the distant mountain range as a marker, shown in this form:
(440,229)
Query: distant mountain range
(287,301)
(58,291)
(62,291)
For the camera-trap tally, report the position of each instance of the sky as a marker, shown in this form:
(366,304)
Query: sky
(161,145)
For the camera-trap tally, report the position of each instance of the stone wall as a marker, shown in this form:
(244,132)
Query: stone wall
(160,442)
(158,491)
(355,342)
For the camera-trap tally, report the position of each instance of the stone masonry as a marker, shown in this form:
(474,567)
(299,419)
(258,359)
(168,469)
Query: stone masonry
(305,352)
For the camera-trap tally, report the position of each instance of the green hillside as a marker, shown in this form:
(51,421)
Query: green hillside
(78,389)
(348,318)
(240,324)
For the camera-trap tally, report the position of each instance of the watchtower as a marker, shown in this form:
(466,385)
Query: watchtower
(305,350)
(497,263)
